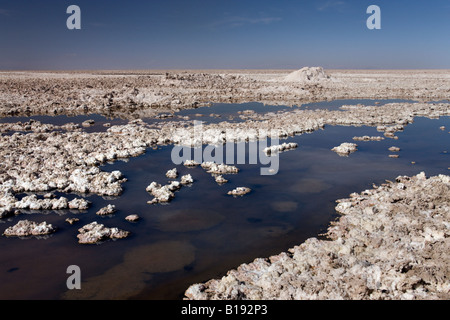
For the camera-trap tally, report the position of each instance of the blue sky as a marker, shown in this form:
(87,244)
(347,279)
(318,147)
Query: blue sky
(226,34)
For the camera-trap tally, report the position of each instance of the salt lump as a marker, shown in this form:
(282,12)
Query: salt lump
(220,179)
(239,191)
(190,163)
(307,74)
(368,138)
(345,148)
(33,203)
(72,220)
(27,228)
(280,148)
(187,179)
(214,168)
(172,174)
(162,193)
(109,209)
(394,149)
(94,232)
(132,218)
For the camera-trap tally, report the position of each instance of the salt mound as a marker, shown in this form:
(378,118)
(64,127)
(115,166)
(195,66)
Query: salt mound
(307,74)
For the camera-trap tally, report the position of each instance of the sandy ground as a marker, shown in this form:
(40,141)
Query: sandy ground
(37,157)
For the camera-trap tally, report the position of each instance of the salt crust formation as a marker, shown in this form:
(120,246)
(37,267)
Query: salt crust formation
(368,138)
(72,220)
(220,179)
(10,205)
(39,158)
(94,232)
(132,218)
(108,210)
(162,194)
(186,179)
(219,168)
(345,148)
(172,174)
(391,242)
(280,148)
(146,94)
(69,161)
(26,228)
(394,149)
(239,191)
(191,163)
(165,193)
(307,74)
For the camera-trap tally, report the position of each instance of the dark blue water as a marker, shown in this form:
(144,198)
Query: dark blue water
(215,113)
(98,126)
(337,104)
(204,232)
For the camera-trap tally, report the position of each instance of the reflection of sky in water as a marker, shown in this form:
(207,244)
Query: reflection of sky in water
(204,232)
(98,126)
(216,113)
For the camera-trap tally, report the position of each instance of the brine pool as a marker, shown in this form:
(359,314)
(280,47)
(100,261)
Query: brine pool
(203,232)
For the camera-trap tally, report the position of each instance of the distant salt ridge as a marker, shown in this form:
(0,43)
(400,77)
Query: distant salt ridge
(307,74)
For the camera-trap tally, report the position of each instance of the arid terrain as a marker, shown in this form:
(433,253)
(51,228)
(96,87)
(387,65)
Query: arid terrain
(391,242)
(143,94)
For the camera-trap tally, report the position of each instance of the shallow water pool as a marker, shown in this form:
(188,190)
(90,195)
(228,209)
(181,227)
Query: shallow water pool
(203,232)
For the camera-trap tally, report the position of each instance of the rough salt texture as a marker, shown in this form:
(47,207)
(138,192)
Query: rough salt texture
(94,233)
(391,242)
(26,228)
(70,161)
(72,220)
(307,74)
(220,179)
(162,193)
(280,148)
(172,174)
(109,209)
(33,203)
(10,205)
(186,179)
(239,191)
(37,157)
(368,138)
(132,218)
(345,148)
(219,168)
(191,163)
(141,94)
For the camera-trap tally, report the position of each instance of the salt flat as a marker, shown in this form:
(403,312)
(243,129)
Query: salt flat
(38,158)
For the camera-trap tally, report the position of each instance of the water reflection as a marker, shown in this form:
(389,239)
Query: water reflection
(203,232)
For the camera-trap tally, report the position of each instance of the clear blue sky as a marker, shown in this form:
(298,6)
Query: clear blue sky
(226,34)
